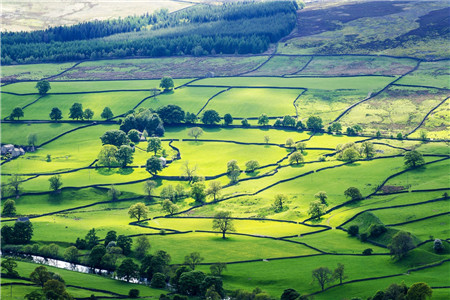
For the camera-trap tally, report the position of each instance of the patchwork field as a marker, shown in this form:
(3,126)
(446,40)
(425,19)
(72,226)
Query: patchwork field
(273,247)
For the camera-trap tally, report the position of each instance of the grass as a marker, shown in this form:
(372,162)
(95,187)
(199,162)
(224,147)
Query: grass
(281,65)
(32,71)
(156,68)
(244,103)
(89,86)
(18,133)
(96,102)
(430,74)
(9,102)
(357,65)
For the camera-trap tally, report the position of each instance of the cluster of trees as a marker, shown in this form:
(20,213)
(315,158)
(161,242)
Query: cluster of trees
(351,152)
(116,150)
(324,276)
(417,291)
(52,285)
(20,233)
(203,29)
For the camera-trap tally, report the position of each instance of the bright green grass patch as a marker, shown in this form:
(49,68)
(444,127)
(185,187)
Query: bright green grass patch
(323,140)
(119,102)
(32,71)
(364,84)
(260,228)
(245,135)
(281,65)
(275,276)
(433,148)
(9,102)
(18,133)
(210,163)
(74,150)
(411,213)
(435,276)
(89,86)
(91,281)
(340,215)
(437,227)
(243,103)
(337,241)
(430,74)
(215,249)
(431,176)
(190,99)
(437,125)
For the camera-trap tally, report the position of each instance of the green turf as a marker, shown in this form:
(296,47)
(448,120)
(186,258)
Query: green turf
(33,71)
(430,74)
(9,102)
(281,65)
(18,133)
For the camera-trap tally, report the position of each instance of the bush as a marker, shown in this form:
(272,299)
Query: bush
(133,293)
(353,230)
(179,297)
(376,230)
(368,251)
(158,281)
(363,237)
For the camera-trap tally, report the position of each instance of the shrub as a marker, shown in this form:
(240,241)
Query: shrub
(375,230)
(133,293)
(353,230)
(368,251)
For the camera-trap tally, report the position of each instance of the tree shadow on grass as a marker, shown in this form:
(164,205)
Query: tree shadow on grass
(55,198)
(106,171)
(125,171)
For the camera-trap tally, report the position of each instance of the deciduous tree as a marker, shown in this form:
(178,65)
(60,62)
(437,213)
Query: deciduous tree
(154,145)
(193,259)
(76,111)
(107,113)
(414,159)
(55,114)
(322,275)
(55,182)
(210,117)
(400,245)
(43,87)
(138,211)
(223,222)
(153,165)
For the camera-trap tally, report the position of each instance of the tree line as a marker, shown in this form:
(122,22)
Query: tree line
(204,29)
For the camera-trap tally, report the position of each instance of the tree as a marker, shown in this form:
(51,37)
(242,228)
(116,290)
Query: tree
(322,196)
(153,165)
(108,156)
(193,259)
(288,121)
(314,123)
(149,186)
(316,209)
(8,266)
(353,193)
(198,192)
(353,230)
(158,281)
(217,269)
(376,230)
(125,243)
(296,157)
(32,139)
(133,293)
(142,246)
(336,127)
(300,147)
(414,159)
(290,294)
(423,135)
(14,183)
(263,120)
(111,236)
(368,149)
(76,111)
(233,171)
(113,193)
(16,113)
(350,155)
(171,114)
(114,137)
(251,166)
(91,239)
(191,118)
(88,114)
(169,207)
(266,139)
(401,243)
(190,283)
(55,182)
(166,83)
(279,201)
(322,275)
(71,254)
(227,119)
(419,291)
(35,295)
(223,222)
(339,273)
(138,211)
(43,87)
(96,255)
(399,136)
(195,132)
(9,208)
(368,251)
(124,156)
(289,142)
(154,145)
(168,192)
(214,189)
(40,275)
(107,113)
(438,247)
(245,123)
(210,117)
(128,269)
(133,135)
(55,114)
